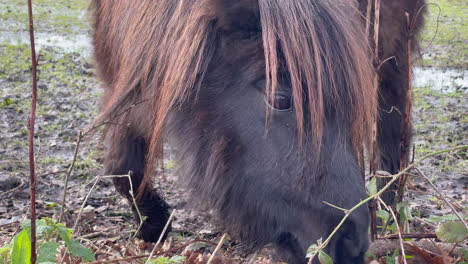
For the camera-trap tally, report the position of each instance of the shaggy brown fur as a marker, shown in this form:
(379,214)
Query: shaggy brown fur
(188,71)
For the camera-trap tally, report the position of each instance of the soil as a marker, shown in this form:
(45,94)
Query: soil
(68,102)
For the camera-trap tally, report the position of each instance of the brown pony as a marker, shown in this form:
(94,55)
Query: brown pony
(268,104)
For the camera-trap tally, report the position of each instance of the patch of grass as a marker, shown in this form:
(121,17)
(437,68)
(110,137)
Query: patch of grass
(58,16)
(450,47)
(14,59)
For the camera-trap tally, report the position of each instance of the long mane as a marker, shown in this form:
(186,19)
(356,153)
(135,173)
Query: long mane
(338,73)
(163,48)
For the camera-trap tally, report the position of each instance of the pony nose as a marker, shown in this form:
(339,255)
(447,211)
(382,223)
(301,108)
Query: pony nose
(352,242)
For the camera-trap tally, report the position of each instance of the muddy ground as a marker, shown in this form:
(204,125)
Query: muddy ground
(68,102)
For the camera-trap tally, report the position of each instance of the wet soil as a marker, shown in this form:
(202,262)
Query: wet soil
(68,102)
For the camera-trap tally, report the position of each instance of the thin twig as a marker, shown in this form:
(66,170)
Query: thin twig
(387,60)
(336,207)
(415,236)
(161,236)
(400,238)
(108,121)
(83,204)
(161,253)
(388,185)
(443,197)
(96,181)
(220,244)
(93,235)
(393,108)
(437,25)
(67,177)
(132,194)
(98,178)
(126,260)
(31,124)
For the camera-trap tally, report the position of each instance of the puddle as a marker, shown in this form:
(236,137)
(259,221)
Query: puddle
(443,80)
(68,43)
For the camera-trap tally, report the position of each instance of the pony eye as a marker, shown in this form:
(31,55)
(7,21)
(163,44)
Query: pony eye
(279,101)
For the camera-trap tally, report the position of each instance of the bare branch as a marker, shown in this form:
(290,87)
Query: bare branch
(400,238)
(220,244)
(415,236)
(101,123)
(336,207)
(67,177)
(443,197)
(437,25)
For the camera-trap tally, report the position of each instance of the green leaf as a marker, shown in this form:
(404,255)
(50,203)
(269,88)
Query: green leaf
(452,232)
(78,250)
(405,211)
(177,259)
(21,253)
(312,250)
(5,254)
(64,233)
(43,230)
(160,260)
(6,102)
(390,259)
(464,252)
(48,252)
(372,186)
(382,214)
(5,251)
(324,258)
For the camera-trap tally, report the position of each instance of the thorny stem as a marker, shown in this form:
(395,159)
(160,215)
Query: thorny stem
(388,185)
(31,123)
(336,207)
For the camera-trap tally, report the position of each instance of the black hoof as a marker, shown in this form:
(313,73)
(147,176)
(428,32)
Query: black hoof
(150,231)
